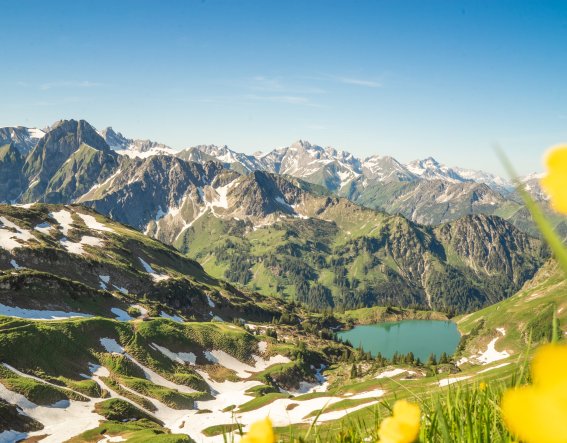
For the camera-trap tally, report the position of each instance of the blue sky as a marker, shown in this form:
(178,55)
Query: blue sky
(405,78)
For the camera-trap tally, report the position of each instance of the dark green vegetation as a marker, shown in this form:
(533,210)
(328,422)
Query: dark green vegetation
(138,431)
(350,257)
(12,419)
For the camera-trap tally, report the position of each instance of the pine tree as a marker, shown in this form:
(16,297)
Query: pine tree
(432,360)
(353,371)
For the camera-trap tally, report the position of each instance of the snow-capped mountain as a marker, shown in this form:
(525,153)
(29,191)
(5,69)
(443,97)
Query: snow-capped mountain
(431,169)
(83,161)
(234,160)
(323,166)
(23,139)
(132,147)
(386,169)
(532,185)
(335,169)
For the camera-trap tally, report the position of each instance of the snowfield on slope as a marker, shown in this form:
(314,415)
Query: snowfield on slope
(38,314)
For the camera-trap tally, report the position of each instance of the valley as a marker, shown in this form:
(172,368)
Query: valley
(150,295)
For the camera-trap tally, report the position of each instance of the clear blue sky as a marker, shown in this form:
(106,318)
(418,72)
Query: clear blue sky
(405,78)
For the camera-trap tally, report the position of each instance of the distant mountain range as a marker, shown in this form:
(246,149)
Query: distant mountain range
(424,191)
(277,223)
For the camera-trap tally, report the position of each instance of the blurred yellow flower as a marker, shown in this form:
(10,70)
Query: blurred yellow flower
(403,425)
(260,432)
(549,366)
(555,181)
(538,413)
(482,386)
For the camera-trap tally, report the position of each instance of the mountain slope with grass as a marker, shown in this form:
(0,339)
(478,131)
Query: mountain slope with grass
(100,324)
(95,263)
(283,236)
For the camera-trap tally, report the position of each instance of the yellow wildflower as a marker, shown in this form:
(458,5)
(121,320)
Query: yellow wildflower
(403,425)
(482,386)
(555,181)
(538,413)
(260,432)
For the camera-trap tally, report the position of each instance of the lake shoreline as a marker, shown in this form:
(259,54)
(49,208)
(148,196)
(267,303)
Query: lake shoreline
(415,337)
(367,316)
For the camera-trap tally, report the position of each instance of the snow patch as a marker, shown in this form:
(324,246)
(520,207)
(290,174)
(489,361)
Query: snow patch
(37,314)
(501,365)
(243,370)
(121,315)
(12,236)
(153,274)
(451,380)
(15,264)
(179,357)
(491,354)
(92,223)
(111,346)
(44,228)
(64,219)
(393,372)
(176,318)
(78,247)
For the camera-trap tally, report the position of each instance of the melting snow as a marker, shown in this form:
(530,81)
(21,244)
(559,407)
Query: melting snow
(14,264)
(44,228)
(491,354)
(111,345)
(176,318)
(123,290)
(262,346)
(179,357)
(60,423)
(501,365)
(9,238)
(121,315)
(243,370)
(37,314)
(451,380)
(392,373)
(104,279)
(92,223)
(64,219)
(153,274)
(77,247)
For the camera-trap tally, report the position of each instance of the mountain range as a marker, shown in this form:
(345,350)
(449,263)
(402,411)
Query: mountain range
(154,295)
(277,223)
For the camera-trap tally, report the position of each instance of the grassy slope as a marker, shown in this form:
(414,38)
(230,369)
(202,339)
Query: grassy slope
(544,294)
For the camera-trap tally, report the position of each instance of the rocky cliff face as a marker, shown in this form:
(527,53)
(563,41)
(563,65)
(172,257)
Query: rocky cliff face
(145,189)
(433,202)
(54,150)
(490,246)
(23,139)
(12,181)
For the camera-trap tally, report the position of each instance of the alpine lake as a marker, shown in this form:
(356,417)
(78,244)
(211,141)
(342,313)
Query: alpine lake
(422,337)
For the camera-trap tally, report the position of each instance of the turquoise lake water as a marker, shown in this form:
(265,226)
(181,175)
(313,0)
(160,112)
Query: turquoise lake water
(422,337)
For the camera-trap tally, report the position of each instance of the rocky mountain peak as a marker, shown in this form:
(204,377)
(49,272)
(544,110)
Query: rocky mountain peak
(114,139)
(23,139)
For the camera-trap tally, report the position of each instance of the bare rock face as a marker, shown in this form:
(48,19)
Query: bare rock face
(12,181)
(12,420)
(49,159)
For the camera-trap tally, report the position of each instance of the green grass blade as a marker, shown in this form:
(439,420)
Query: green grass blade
(544,226)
